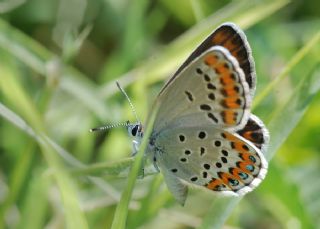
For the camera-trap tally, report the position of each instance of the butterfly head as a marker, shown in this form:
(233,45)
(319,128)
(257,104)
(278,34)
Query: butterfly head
(135,129)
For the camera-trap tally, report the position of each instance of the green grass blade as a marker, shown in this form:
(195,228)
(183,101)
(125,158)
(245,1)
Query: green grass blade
(38,58)
(15,94)
(285,72)
(105,168)
(120,217)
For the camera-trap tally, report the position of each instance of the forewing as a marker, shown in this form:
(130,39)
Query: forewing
(211,91)
(231,37)
(218,160)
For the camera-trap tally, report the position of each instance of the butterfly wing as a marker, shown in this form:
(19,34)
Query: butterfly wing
(212,158)
(178,189)
(231,37)
(212,90)
(255,132)
(204,133)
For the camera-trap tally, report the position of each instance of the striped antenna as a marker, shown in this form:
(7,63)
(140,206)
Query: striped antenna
(127,123)
(102,128)
(130,103)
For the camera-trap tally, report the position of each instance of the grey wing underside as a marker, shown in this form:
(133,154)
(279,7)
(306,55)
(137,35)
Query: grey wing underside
(216,159)
(178,189)
(212,90)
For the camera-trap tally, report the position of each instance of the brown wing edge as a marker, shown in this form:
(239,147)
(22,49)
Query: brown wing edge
(230,36)
(256,132)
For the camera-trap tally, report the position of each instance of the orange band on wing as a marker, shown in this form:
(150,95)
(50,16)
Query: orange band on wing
(231,46)
(243,166)
(225,178)
(231,102)
(230,137)
(246,157)
(211,60)
(214,183)
(227,80)
(229,91)
(223,69)
(220,38)
(235,173)
(248,135)
(229,117)
(227,39)
(240,147)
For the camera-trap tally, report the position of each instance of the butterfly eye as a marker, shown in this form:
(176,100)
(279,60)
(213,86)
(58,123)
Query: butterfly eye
(134,130)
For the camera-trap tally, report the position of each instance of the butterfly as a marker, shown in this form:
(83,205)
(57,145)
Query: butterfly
(204,132)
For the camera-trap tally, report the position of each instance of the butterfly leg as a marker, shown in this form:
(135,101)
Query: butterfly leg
(141,172)
(135,148)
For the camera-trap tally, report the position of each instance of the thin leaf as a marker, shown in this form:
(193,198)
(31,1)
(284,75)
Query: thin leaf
(285,72)
(120,217)
(35,56)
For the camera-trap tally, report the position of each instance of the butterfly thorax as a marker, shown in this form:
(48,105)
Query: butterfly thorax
(136,131)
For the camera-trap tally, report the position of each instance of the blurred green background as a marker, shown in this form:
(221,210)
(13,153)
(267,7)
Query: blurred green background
(58,64)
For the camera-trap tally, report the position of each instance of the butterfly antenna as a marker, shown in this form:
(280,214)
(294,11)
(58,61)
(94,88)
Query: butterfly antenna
(130,103)
(103,128)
